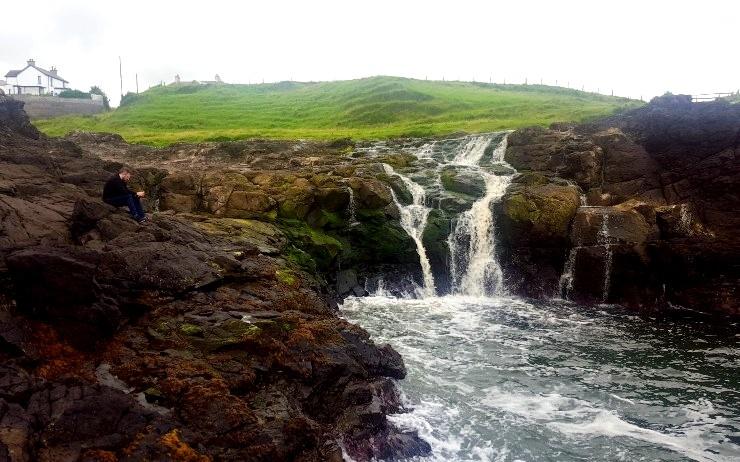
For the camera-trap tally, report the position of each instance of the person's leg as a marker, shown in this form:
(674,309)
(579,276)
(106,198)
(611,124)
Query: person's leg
(137,205)
(134,206)
(118,201)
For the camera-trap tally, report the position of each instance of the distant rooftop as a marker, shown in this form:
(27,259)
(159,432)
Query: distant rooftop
(31,63)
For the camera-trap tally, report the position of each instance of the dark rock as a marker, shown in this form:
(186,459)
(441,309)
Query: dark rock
(660,183)
(346,281)
(196,336)
(14,118)
(463,180)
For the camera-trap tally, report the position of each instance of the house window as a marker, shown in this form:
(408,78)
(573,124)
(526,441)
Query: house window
(39,80)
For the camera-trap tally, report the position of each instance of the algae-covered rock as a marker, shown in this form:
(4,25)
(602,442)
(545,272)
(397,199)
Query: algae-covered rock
(438,229)
(564,154)
(297,202)
(538,214)
(455,202)
(370,193)
(322,247)
(399,188)
(180,183)
(463,180)
(379,242)
(248,204)
(179,202)
(333,199)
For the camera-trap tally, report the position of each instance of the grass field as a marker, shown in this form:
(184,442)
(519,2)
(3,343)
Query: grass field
(376,107)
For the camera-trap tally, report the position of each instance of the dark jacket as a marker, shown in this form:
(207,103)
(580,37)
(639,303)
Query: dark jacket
(115,187)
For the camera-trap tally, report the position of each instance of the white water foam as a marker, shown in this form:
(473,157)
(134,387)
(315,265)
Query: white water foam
(605,240)
(474,269)
(414,221)
(502,379)
(352,206)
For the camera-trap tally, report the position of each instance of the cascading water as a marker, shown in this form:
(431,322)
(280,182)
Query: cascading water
(352,206)
(605,240)
(413,221)
(494,377)
(567,279)
(474,269)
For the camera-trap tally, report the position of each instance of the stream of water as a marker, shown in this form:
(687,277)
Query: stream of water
(503,379)
(498,378)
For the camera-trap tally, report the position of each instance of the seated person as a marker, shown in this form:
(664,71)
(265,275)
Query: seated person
(117,194)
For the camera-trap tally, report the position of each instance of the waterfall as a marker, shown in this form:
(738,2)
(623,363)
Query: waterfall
(413,221)
(685,221)
(472,151)
(352,207)
(567,279)
(474,269)
(604,239)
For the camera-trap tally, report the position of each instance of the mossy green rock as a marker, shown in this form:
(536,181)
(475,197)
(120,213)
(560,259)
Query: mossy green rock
(191,329)
(322,247)
(229,334)
(463,180)
(455,203)
(538,215)
(435,236)
(399,188)
(379,243)
(296,203)
(370,193)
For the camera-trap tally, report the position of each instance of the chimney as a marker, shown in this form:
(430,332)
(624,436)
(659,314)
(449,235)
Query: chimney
(31,62)
(53,70)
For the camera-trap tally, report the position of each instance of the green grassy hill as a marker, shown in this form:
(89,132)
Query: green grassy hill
(376,107)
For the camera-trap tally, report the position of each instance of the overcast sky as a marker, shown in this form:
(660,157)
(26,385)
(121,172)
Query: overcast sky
(636,48)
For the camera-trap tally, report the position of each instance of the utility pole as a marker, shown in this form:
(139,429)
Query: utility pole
(137,83)
(120,75)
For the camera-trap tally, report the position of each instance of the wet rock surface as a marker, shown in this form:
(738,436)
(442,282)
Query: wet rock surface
(209,333)
(659,214)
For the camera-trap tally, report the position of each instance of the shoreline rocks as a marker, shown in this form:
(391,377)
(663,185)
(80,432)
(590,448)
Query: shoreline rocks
(659,214)
(203,335)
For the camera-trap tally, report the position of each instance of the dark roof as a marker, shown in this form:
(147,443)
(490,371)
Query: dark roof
(43,71)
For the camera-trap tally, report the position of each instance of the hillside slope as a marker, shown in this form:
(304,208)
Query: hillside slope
(375,107)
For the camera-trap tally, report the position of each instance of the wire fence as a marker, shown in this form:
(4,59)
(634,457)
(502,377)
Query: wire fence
(712,96)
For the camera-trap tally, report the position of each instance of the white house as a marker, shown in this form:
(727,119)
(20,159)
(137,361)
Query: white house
(33,80)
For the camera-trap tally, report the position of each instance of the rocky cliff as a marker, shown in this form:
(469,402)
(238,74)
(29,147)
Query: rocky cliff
(639,209)
(202,335)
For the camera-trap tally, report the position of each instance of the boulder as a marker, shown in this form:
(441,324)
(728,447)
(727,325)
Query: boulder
(538,214)
(14,118)
(555,153)
(463,180)
(370,193)
(438,229)
(179,202)
(346,281)
(333,199)
(180,183)
(296,202)
(248,204)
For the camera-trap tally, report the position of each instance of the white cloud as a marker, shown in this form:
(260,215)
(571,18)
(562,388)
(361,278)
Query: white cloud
(636,48)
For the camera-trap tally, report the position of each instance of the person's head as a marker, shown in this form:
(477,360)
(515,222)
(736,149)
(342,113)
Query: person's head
(125,174)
